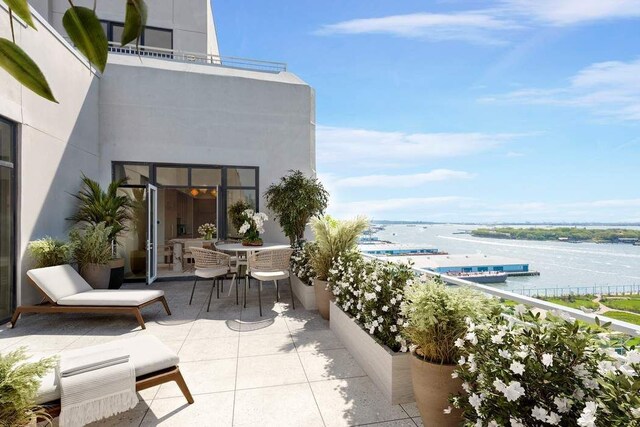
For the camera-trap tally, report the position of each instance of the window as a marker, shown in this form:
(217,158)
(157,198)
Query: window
(206,177)
(241,177)
(7,217)
(135,174)
(498,268)
(151,36)
(175,177)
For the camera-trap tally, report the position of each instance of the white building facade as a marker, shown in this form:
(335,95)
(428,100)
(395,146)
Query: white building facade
(205,131)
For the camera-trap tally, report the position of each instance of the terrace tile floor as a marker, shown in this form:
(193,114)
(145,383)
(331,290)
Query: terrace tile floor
(283,369)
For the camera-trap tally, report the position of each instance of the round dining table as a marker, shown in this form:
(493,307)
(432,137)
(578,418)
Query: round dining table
(238,249)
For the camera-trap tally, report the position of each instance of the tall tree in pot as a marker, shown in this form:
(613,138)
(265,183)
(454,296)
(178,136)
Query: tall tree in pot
(96,205)
(294,201)
(333,237)
(438,318)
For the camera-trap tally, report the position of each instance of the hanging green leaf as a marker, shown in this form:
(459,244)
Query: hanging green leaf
(134,21)
(17,63)
(86,32)
(21,8)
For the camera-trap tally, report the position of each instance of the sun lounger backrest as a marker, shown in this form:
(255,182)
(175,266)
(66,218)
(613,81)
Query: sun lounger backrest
(59,281)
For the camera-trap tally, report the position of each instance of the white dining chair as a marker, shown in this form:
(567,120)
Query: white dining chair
(187,254)
(271,266)
(210,265)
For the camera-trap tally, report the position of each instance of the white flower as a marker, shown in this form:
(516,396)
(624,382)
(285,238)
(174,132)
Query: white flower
(563,404)
(553,418)
(627,370)
(462,361)
(547,360)
(517,368)
(605,367)
(454,374)
(385,308)
(633,356)
(520,309)
(590,383)
(588,416)
(493,423)
(635,412)
(447,410)
(515,422)
(539,413)
(497,339)
(459,343)
(504,354)
(471,337)
(513,391)
(580,371)
(378,288)
(500,386)
(466,387)
(244,228)
(578,394)
(475,401)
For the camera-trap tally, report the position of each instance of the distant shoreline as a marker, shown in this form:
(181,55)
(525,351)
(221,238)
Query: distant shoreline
(563,234)
(501,224)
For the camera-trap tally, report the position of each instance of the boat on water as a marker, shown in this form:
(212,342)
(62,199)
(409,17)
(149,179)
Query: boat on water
(482,277)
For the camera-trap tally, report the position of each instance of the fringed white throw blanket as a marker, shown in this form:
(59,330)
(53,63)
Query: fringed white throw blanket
(96,385)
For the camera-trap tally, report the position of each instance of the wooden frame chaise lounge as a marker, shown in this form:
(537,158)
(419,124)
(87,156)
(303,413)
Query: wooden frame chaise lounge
(65,291)
(154,363)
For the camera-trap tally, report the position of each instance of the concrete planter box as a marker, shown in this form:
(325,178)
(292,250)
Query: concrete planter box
(390,371)
(305,293)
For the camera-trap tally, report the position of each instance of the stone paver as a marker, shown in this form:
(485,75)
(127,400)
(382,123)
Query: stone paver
(285,368)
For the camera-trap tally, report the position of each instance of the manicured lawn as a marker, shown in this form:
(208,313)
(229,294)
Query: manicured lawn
(623,303)
(575,302)
(626,317)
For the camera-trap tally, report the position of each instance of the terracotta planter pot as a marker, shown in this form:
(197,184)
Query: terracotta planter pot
(432,385)
(323,297)
(97,275)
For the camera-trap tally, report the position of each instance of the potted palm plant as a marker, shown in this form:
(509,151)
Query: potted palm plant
(437,320)
(48,252)
(333,238)
(19,383)
(96,205)
(92,251)
(294,201)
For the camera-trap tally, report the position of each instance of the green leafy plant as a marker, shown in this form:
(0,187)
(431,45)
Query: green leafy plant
(19,383)
(236,213)
(48,252)
(372,292)
(526,370)
(437,317)
(334,237)
(294,201)
(96,205)
(83,28)
(92,244)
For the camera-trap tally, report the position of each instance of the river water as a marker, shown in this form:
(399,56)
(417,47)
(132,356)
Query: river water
(561,264)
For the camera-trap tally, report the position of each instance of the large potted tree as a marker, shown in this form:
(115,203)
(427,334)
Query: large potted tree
(97,205)
(437,321)
(333,238)
(294,201)
(92,251)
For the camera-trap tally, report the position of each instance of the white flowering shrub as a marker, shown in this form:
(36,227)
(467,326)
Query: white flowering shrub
(253,225)
(207,229)
(372,293)
(301,265)
(523,370)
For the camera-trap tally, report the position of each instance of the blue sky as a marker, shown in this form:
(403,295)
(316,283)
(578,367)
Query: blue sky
(512,110)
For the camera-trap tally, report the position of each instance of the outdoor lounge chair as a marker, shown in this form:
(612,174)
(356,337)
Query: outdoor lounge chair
(65,291)
(154,363)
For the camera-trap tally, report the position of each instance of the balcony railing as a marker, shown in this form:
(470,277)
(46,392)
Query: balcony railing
(616,325)
(199,58)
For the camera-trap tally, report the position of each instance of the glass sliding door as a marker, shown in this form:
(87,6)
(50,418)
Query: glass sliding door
(7,218)
(152,233)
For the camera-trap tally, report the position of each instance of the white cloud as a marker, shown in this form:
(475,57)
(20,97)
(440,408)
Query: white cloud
(609,88)
(475,27)
(402,181)
(568,12)
(383,208)
(361,147)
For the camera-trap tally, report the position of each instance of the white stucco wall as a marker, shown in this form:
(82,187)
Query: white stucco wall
(191,20)
(206,115)
(55,141)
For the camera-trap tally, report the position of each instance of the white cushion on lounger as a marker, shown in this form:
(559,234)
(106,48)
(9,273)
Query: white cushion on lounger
(59,281)
(147,353)
(112,297)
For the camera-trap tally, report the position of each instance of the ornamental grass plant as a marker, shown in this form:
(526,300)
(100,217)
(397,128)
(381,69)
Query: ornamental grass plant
(92,244)
(48,252)
(437,317)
